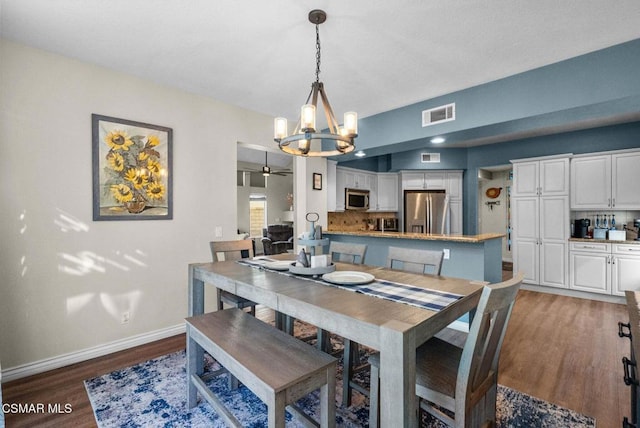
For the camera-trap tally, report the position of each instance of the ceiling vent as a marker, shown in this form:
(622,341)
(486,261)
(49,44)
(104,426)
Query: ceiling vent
(440,114)
(430,157)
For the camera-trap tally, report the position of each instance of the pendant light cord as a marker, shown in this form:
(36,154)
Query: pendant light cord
(317,53)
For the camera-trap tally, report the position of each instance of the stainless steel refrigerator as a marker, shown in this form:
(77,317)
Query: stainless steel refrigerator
(426,211)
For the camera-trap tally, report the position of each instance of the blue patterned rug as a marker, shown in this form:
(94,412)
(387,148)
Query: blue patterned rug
(153,394)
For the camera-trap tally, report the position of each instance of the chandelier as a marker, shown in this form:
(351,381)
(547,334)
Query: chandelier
(337,140)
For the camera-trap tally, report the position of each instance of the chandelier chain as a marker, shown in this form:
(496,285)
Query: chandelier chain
(317,53)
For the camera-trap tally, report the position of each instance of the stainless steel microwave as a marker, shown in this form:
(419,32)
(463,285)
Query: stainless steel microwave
(356,199)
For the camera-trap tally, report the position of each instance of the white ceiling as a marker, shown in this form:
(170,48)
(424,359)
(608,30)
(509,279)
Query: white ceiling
(376,55)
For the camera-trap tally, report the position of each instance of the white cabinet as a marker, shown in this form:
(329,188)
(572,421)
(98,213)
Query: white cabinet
(605,181)
(435,180)
(625,268)
(590,265)
(455,216)
(454,184)
(340,186)
(541,177)
(359,180)
(539,240)
(387,192)
(540,220)
(605,268)
(382,187)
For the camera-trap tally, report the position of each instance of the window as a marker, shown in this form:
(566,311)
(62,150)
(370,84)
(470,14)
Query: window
(257,214)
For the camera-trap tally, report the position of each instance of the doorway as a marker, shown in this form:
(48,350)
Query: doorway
(494,205)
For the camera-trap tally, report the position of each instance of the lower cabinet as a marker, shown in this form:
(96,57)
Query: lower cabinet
(605,268)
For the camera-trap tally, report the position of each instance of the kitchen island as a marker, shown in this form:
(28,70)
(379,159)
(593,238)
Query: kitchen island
(477,257)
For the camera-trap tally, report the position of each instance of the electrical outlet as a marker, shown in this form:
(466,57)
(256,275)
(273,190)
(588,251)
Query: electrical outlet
(124,319)
(446,253)
(218,231)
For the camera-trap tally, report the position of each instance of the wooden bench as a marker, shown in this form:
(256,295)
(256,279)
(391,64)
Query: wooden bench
(276,367)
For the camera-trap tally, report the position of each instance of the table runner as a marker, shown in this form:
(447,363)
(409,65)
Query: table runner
(425,298)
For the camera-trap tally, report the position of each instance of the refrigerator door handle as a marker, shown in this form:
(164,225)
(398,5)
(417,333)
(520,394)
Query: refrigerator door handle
(429,215)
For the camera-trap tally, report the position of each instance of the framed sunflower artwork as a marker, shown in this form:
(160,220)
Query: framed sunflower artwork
(132,173)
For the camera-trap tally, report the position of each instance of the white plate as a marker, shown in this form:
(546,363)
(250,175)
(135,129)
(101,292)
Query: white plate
(278,265)
(346,277)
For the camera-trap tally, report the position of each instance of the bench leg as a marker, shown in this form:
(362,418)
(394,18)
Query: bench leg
(327,400)
(192,368)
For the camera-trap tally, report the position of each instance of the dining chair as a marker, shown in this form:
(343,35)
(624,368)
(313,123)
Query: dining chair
(349,253)
(232,250)
(413,260)
(461,380)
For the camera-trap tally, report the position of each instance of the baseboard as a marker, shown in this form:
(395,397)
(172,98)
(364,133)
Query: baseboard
(47,364)
(574,293)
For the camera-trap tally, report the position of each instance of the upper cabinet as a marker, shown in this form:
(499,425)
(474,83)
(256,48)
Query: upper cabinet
(435,180)
(549,177)
(360,180)
(387,194)
(605,181)
(382,187)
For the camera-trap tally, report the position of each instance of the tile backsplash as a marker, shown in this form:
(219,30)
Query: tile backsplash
(353,221)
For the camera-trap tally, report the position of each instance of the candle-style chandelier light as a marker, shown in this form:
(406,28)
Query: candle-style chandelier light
(305,140)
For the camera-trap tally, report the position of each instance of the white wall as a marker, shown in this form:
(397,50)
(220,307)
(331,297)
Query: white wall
(65,279)
(306,199)
(495,220)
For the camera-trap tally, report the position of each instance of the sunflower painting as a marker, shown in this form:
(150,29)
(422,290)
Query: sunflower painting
(131,170)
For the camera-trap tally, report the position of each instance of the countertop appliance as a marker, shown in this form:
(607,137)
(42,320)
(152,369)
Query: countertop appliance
(581,227)
(426,211)
(389,224)
(356,199)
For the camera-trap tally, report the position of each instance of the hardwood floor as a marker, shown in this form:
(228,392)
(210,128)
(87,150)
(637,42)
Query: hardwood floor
(561,349)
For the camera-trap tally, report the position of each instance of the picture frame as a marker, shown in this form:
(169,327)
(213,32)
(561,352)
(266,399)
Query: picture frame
(132,170)
(317,181)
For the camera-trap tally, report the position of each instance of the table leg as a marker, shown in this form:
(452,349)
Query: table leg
(196,294)
(398,403)
(196,307)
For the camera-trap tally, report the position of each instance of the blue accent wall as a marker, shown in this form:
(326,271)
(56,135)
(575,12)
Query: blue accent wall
(592,87)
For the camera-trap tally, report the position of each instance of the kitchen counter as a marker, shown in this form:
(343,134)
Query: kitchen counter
(475,257)
(419,236)
(605,241)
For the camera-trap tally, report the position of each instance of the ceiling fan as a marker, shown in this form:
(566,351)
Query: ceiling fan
(267,170)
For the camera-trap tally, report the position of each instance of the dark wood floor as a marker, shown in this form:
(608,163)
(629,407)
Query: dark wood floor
(561,349)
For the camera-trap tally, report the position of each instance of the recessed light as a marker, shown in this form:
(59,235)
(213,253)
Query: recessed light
(438,140)
(360,153)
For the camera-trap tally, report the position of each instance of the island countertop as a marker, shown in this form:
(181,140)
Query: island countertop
(419,236)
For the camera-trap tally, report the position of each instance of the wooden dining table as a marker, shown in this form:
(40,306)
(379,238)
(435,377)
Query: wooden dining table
(394,329)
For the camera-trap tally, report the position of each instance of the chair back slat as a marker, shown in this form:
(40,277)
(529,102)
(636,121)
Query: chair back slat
(478,368)
(347,253)
(231,250)
(413,260)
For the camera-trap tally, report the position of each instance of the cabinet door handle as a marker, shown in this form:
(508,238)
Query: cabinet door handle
(613,260)
(609,202)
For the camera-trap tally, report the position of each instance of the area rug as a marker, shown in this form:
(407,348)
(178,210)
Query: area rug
(153,394)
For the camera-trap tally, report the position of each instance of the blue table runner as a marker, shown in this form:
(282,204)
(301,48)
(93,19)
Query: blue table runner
(425,298)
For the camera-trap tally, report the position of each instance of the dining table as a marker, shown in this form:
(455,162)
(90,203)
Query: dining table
(393,326)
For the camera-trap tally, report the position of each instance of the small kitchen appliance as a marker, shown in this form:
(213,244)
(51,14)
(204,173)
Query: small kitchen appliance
(581,227)
(356,199)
